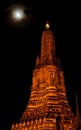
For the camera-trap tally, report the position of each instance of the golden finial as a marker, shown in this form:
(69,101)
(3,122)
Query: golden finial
(47,25)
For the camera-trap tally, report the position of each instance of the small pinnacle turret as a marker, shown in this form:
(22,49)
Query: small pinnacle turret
(77,109)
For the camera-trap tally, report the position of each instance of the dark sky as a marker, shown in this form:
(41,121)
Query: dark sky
(20,43)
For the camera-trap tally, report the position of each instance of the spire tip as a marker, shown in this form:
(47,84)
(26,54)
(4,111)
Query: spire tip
(47,25)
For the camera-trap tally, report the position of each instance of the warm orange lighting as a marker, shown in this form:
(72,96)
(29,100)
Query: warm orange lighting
(48,105)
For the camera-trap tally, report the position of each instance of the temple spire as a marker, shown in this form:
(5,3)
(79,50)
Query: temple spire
(48,43)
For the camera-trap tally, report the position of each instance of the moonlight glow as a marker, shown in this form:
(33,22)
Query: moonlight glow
(18,14)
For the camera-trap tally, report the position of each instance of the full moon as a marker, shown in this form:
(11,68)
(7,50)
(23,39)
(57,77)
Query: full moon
(18,14)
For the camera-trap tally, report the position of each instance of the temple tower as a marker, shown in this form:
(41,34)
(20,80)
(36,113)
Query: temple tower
(48,107)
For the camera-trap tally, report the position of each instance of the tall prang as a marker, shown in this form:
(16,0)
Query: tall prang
(48,107)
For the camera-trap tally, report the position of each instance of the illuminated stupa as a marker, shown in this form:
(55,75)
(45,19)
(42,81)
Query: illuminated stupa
(48,107)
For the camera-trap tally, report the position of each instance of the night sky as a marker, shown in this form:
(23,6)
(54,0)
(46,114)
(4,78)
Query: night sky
(20,43)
